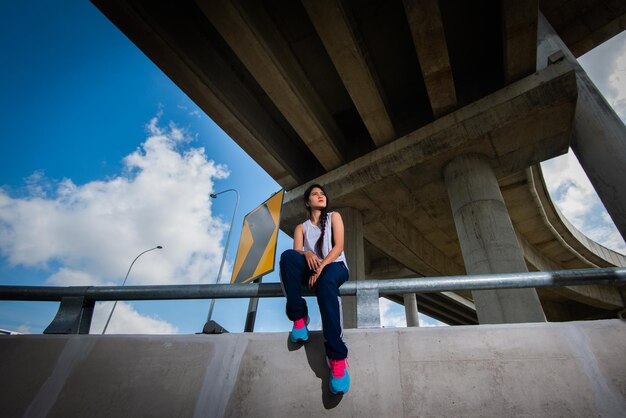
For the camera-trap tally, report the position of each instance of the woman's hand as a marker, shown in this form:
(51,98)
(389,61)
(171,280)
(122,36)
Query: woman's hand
(316,275)
(313,279)
(312,260)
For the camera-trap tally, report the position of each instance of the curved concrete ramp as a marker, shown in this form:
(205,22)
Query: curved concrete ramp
(554,369)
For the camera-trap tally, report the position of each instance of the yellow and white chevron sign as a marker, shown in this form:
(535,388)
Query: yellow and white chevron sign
(257,245)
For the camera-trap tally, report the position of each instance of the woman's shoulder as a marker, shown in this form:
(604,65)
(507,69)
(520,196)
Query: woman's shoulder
(334,215)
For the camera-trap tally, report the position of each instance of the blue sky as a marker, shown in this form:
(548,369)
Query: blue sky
(102,157)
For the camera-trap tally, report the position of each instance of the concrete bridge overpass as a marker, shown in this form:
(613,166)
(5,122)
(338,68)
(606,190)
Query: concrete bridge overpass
(425,120)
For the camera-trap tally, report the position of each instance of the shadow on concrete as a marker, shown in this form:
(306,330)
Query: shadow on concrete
(316,356)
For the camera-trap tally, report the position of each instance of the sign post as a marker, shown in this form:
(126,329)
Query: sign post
(252,308)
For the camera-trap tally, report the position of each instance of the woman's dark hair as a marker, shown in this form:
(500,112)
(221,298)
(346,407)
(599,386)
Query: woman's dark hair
(323,215)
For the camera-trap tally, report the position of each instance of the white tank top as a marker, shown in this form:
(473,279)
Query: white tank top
(313,232)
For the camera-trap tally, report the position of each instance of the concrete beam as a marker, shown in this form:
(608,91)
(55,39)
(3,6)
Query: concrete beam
(519,30)
(387,268)
(599,134)
(524,123)
(447,310)
(250,33)
(429,38)
(447,307)
(603,297)
(584,25)
(341,41)
(459,300)
(399,239)
(597,36)
(440,307)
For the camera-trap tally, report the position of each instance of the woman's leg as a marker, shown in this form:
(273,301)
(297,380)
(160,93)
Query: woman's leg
(293,271)
(328,299)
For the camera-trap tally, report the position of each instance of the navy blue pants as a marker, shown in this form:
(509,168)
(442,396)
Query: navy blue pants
(294,272)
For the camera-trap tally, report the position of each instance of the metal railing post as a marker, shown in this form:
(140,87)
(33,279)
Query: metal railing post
(73,317)
(367,304)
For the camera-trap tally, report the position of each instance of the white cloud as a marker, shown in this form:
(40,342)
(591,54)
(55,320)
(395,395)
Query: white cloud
(607,235)
(24,329)
(69,277)
(427,321)
(126,320)
(37,185)
(617,81)
(573,194)
(606,66)
(569,186)
(90,233)
(391,314)
(191,112)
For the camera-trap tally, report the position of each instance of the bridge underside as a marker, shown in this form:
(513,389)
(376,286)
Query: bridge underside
(373,99)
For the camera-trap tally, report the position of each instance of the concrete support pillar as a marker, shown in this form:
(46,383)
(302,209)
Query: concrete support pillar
(599,137)
(410,309)
(353,249)
(488,240)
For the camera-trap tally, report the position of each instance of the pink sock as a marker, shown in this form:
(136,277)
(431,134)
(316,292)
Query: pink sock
(299,323)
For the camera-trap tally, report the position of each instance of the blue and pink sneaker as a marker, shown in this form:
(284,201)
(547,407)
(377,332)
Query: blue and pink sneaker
(339,376)
(300,332)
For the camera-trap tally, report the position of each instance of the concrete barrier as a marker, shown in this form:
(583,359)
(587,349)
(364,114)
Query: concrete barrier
(554,369)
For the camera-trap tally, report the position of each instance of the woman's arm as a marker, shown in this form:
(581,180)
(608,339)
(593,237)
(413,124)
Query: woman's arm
(338,238)
(298,244)
(298,239)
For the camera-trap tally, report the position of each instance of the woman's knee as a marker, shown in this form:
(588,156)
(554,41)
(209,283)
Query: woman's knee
(289,255)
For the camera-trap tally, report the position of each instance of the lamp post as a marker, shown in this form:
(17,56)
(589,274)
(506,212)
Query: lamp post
(219,274)
(158,247)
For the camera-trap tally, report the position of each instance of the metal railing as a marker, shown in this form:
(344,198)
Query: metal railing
(77,302)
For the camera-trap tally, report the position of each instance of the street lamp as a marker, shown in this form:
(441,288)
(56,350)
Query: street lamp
(219,274)
(158,247)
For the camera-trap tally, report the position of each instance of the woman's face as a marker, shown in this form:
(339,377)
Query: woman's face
(317,199)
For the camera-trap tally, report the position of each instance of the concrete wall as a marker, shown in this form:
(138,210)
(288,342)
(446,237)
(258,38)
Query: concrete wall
(545,369)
